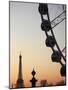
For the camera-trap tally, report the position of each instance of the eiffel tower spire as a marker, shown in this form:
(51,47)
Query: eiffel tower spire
(20,67)
(20,83)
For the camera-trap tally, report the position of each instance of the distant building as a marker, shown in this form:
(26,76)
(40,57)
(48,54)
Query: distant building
(60,83)
(43,83)
(20,82)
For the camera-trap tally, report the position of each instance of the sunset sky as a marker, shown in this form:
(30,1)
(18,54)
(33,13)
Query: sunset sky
(27,37)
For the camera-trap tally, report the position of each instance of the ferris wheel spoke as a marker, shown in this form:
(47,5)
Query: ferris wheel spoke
(58,19)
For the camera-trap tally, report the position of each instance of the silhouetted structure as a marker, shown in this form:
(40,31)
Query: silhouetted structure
(12,85)
(20,83)
(43,83)
(61,83)
(33,80)
(47,26)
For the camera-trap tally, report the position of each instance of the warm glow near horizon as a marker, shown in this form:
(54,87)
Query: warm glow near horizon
(27,37)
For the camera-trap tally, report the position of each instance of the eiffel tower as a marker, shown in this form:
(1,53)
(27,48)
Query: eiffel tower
(20,82)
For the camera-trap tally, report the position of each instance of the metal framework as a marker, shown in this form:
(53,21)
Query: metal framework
(47,26)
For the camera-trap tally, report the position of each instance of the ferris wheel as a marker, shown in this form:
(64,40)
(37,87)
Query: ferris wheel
(48,26)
